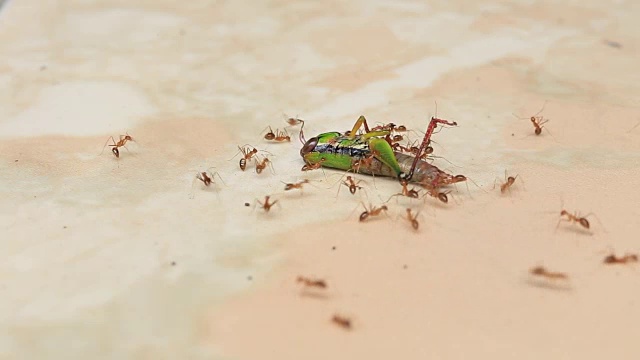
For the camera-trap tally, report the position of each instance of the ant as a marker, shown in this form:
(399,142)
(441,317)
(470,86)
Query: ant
(298,185)
(316,166)
(352,184)
(341,321)
(121,143)
(442,196)
(279,136)
(267,204)
(542,271)
(575,217)
(318,283)
(206,179)
(261,165)
(293,121)
(538,123)
(372,211)
(413,219)
(627,258)
(506,186)
(410,193)
(248,152)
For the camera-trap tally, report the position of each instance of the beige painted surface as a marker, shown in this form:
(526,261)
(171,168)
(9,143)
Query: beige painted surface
(127,259)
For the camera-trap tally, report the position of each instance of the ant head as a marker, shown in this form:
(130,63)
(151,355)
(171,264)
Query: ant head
(610,259)
(511,179)
(533,119)
(564,212)
(384,207)
(404,179)
(584,222)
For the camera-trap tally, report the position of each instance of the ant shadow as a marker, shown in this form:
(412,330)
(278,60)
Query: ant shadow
(316,295)
(557,285)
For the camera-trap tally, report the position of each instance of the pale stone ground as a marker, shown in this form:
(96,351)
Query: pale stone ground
(115,259)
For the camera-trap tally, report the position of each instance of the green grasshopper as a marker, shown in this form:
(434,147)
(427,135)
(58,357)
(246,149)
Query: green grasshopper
(372,153)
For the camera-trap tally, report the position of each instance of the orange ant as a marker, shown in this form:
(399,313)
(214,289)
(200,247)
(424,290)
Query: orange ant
(318,283)
(267,204)
(442,196)
(282,136)
(248,152)
(372,211)
(270,135)
(261,165)
(293,121)
(121,143)
(627,258)
(543,272)
(410,193)
(352,184)
(538,123)
(206,179)
(298,185)
(279,136)
(509,181)
(341,321)
(413,219)
(316,166)
(575,217)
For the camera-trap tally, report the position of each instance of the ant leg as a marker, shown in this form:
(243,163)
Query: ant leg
(105,143)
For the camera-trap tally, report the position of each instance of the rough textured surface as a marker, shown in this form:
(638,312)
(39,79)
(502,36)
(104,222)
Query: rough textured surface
(129,259)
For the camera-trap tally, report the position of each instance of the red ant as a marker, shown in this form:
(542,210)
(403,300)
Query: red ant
(121,143)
